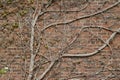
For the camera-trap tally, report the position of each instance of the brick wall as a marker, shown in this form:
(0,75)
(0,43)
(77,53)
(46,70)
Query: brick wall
(102,66)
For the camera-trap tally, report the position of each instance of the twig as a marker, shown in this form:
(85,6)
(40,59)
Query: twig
(102,28)
(102,41)
(74,39)
(49,3)
(47,70)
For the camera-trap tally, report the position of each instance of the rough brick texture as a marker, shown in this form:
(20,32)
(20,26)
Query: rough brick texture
(15,52)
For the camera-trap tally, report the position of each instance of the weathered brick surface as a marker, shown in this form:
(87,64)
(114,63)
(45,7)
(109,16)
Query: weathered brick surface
(103,66)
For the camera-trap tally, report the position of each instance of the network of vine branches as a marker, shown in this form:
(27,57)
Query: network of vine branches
(64,39)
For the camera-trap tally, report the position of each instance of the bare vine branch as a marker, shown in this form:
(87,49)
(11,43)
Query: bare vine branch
(47,70)
(102,41)
(33,55)
(82,17)
(79,55)
(95,52)
(53,62)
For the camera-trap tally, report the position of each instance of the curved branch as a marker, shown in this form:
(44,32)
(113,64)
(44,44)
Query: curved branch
(82,17)
(95,52)
(102,41)
(102,28)
(77,55)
